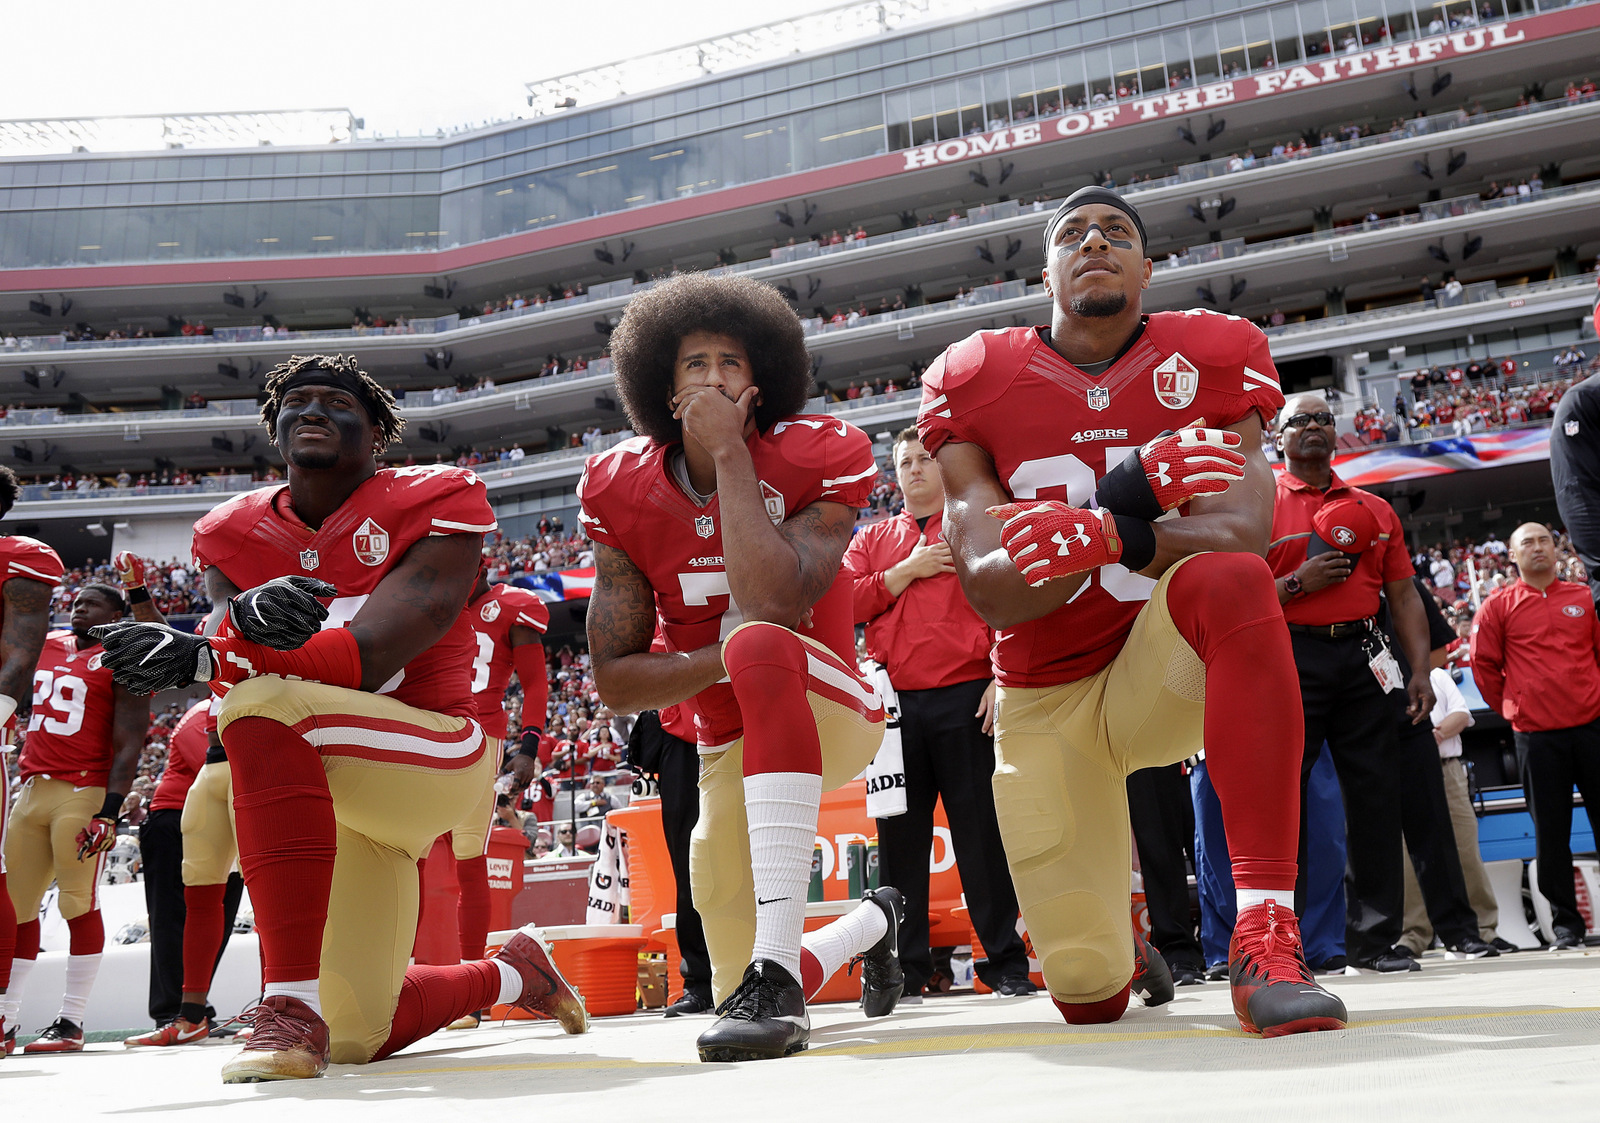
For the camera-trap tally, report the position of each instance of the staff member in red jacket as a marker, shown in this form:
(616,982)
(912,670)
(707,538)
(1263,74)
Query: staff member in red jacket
(1536,659)
(936,650)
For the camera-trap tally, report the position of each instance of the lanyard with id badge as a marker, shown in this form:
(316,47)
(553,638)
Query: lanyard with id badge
(1381,661)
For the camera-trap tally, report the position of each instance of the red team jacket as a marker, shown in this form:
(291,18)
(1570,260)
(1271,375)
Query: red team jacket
(255,537)
(1536,656)
(31,560)
(186,754)
(492,616)
(631,502)
(928,636)
(1053,430)
(69,733)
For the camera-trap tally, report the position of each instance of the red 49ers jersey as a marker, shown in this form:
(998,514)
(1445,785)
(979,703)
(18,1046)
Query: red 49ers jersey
(1053,431)
(69,732)
(492,616)
(255,537)
(631,501)
(186,755)
(28,557)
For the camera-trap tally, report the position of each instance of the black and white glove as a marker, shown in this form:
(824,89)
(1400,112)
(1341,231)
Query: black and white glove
(145,658)
(281,614)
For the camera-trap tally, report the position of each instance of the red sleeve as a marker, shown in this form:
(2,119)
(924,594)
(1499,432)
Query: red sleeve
(529,661)
(1263,393)
(850,468)
(1397,565)
(457,500)
(531,613)
(31,559)
(866,579)
(1488,653)
(936,422)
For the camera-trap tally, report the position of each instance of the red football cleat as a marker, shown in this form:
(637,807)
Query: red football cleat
(60,1036)
(544,991)
(179,1031)
(1274,992)
(289,1041)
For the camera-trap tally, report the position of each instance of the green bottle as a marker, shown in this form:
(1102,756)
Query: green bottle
(814,893)
(856,866)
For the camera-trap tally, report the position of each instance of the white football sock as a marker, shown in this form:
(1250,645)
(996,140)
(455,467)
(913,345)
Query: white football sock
(306,990)
(853,933)
(11,1000)
(510,983)
(1250,898)
(782,811)
(81,972)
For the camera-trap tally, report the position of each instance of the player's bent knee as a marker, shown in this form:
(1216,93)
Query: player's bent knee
(269,697)
(760,644)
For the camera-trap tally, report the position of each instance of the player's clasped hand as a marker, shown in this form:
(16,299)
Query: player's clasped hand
(282,613)
(145,658)
(1170,470)
(1049,539)
(712,418)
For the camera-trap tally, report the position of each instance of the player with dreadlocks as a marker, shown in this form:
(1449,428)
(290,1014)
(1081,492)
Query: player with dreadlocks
(348,721)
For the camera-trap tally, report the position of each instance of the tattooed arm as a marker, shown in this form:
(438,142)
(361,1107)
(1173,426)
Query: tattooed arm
(776,573)
(414,605)
(27,618)
(622,621)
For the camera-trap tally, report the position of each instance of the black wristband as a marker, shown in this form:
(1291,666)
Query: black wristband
(139,594)
(1126,490)
(1138,542)
(112,807)
(529,745)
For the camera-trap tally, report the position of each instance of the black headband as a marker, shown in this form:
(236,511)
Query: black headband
(1103,195)
(322,376)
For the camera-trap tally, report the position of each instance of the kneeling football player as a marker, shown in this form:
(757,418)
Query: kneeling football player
(728,518)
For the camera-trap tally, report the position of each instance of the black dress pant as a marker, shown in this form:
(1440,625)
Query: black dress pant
(1345,706)
(161,859)
(1429,835)
(679,781)
(949,756)
(1161,810)
(1552,761)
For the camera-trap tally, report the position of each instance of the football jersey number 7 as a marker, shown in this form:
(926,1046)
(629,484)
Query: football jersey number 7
(699,588)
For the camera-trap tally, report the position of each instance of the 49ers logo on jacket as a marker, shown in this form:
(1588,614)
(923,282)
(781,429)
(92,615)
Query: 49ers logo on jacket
(490,612)
(371,543)
(1176,379)
(1571,610)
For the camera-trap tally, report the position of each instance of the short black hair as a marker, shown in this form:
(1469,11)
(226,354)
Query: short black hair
(113,594)
(379,402)
(644,347)
(9,490)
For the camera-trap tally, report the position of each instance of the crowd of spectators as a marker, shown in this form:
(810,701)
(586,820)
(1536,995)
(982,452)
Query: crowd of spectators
(175,587)
(1470,397)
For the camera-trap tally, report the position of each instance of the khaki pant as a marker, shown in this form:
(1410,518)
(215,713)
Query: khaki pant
(400,777)
(41,846)
(1464,822)
(1062,756)
(210,847)
(470,837)
(719,848)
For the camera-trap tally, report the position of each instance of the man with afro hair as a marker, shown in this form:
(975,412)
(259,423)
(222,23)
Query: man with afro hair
(726,520)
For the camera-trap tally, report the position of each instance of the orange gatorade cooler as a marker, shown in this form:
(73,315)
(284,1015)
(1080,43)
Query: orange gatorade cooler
(601,961)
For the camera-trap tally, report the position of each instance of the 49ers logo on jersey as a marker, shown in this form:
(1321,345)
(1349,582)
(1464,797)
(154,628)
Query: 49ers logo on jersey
(1176,380)
(490,612)
(371,543)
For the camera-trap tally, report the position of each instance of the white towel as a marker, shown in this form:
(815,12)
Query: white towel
(886,775)
(608,878)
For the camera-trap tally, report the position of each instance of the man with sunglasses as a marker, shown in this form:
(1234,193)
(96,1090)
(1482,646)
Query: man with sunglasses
(1334,549)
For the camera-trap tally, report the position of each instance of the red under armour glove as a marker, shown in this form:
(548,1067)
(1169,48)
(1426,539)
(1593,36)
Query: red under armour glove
(1171,470)
(1049,539)
(130,569)
(101,833)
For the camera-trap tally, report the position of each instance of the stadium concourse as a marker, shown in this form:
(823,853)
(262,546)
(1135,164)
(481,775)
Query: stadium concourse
(1490,1040)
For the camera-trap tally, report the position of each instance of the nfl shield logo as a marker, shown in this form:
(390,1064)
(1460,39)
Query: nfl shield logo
(309,559)
(1099,398)
(370,543)
(703,526)
(1571,428)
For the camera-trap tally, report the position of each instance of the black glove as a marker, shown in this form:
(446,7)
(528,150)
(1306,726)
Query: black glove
(281,614)
(145,658)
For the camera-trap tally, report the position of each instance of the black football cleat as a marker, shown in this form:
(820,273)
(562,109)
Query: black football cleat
(882,980)
(61,1036)
(765,1017)
(1274,992)
(1152,981)
(689,1003)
